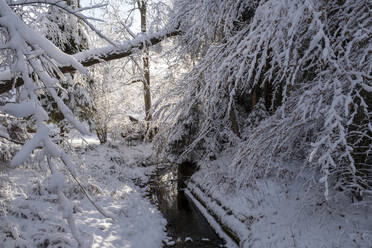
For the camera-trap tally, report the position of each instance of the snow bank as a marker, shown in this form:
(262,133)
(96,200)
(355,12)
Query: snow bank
(281,214)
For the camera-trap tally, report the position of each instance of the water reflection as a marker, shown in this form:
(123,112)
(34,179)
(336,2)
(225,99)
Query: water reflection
(186,226)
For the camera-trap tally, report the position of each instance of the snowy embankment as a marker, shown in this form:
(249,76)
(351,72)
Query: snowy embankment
(29,214)
(279,213)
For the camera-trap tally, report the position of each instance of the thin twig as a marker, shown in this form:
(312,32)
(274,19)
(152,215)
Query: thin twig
(99,209)
(12,140)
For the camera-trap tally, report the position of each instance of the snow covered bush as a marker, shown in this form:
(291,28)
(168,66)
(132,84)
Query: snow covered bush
(308,64)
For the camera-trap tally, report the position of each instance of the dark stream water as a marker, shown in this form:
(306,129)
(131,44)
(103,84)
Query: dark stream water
(186,226)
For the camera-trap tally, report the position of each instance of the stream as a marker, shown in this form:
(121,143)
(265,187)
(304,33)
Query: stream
(186,226)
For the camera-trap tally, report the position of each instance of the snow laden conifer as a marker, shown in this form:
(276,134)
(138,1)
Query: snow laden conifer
(308,62)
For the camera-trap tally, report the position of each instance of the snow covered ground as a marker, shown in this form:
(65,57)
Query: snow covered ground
(29,214)
(269,213)
(282,213)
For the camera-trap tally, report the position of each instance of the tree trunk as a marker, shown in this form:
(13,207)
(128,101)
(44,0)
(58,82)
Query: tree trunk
(146,63)
(102,134)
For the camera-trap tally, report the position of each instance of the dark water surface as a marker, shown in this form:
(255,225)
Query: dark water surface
(186,226)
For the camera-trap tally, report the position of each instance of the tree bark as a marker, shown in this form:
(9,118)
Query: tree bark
(146,63)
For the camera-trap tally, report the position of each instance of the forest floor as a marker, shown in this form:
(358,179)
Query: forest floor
(30,217)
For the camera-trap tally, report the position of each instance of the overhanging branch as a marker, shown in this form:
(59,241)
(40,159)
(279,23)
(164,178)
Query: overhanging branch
(96,56)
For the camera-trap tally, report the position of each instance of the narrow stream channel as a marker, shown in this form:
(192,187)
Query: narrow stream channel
(186,226)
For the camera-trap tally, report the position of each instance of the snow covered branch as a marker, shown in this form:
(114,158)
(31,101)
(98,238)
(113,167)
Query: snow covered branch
(293,77)
(68,9)
(36,61)
(96,56)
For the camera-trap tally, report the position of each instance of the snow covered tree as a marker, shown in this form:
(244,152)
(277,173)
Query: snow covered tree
(109,96)
(37,67)
(125,23)
(67,33)
(306,62)
(32,56)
